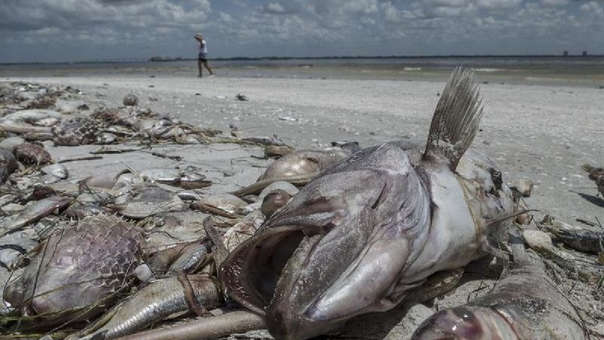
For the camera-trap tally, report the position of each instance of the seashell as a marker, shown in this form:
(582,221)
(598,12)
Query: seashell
(56,170)
(31,154)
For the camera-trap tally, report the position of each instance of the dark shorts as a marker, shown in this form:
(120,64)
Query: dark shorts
(202,57)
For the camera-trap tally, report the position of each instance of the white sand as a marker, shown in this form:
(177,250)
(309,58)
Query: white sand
(542,133)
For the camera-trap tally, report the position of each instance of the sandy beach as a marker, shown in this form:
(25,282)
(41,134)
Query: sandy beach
(535,132)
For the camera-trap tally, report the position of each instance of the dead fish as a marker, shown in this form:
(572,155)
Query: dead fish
(78,267)
(31,154)
(56,170)
(357,238)
(274,201)
(303,162)
(75,131)
(191,257)
(277,151)
(161,175)
(298,167)
(588,241)
(25,121)
(8,164)
(159,300)
(226,203)
(147,201)
(525,305)
(33,211)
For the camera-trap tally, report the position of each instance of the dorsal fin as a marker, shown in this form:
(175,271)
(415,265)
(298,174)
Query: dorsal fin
(456,118)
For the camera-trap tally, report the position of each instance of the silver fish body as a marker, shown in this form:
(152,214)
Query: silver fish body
(157,301)
(357,238)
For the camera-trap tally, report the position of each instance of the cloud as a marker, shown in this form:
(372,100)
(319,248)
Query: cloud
(90,29)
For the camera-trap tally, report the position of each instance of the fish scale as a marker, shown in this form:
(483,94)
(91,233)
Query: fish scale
(78,267)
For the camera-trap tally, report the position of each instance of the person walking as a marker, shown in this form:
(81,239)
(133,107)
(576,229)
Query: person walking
(202,59)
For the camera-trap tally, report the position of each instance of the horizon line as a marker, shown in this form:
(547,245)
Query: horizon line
(169,59)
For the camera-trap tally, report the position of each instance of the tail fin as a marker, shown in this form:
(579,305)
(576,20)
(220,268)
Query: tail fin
(456,118)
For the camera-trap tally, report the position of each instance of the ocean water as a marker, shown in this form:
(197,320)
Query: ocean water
(550,70)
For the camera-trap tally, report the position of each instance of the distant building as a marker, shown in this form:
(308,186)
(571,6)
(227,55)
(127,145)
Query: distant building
(584,53)
(565,53)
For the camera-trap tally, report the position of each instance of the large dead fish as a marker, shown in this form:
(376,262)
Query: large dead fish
(357,238)
(525,305)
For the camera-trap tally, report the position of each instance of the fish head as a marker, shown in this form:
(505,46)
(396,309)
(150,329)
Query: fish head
(465,323)
(336,250)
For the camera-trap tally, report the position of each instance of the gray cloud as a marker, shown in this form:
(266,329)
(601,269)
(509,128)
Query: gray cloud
(40,30)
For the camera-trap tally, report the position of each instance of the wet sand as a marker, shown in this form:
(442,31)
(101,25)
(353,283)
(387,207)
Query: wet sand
(541,133)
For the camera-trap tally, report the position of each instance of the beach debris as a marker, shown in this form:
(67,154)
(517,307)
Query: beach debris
(273,201)
(303,162)
(226,205)
(523,186)
(596,175)
(8,164)
(79,270)
(33,211)
(75,131)
(241,97)
(581,239)
(30,121)
(31,154)
(538,240)
(276,151)
(298,167)
(160,299)
(56,170)
(10,143)
(358,237)
(130,100)
(191,257)
(525,304)
(147,200)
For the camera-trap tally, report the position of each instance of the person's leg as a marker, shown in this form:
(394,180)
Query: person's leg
(205,63)
(199,67)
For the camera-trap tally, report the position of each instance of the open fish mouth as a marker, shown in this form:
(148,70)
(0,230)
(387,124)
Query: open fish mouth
(269,254)
(336,250)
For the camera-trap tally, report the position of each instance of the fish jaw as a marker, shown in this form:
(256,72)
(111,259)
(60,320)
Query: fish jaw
(344,241)
(296,312)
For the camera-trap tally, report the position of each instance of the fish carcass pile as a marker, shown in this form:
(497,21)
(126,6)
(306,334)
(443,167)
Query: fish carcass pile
(124,223)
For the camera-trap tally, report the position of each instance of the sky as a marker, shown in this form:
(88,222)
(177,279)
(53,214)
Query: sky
(93,30)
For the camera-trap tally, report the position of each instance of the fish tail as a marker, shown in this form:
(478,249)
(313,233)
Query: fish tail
(456,118)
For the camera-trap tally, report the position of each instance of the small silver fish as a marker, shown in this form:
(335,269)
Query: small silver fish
(157,301)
